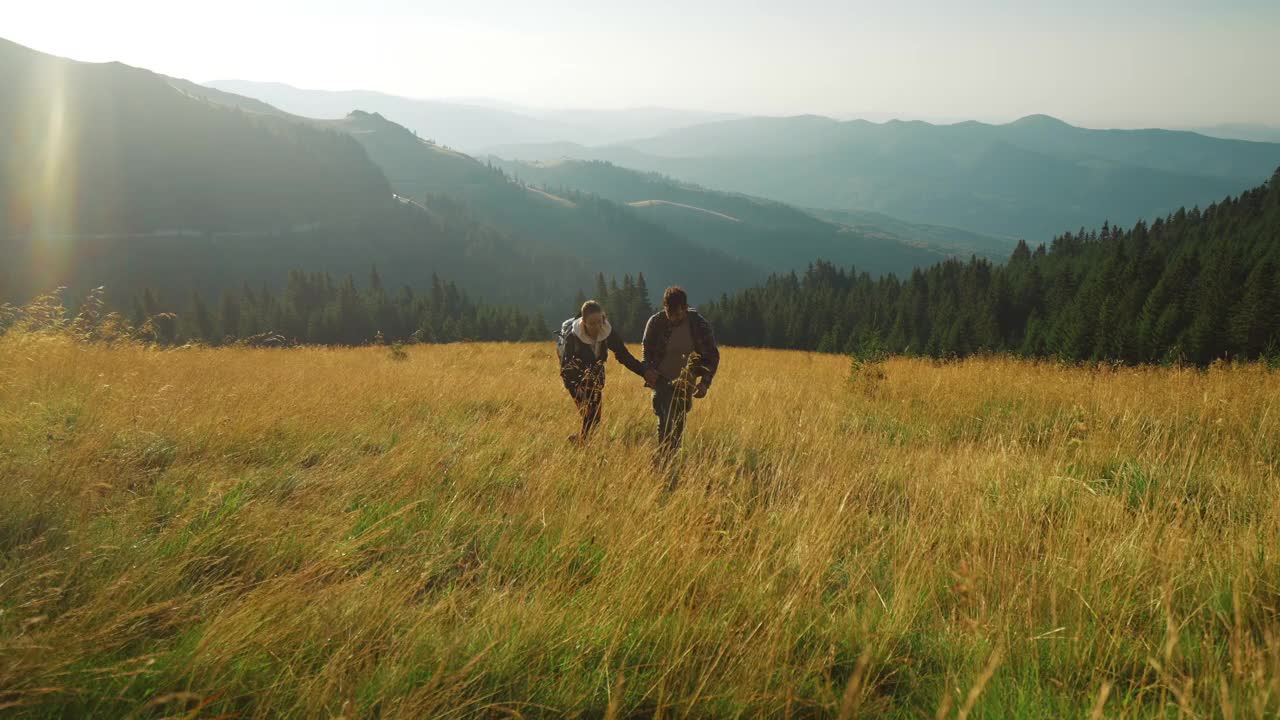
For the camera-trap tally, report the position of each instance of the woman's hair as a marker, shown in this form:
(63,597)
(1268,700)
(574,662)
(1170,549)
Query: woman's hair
(675,297)
(591,306)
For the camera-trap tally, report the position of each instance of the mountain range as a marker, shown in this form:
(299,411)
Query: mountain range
(1033,178)
(472,125)
(113,175)
(767,233)
(120,176)
(1242,131)
(594,232)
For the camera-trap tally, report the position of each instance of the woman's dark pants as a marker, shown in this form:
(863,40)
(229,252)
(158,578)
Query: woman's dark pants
(590,407)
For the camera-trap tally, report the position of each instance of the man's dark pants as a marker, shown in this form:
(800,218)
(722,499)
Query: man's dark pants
(671,403)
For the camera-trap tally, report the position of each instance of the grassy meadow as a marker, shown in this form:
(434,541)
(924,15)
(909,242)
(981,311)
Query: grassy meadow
(318,532)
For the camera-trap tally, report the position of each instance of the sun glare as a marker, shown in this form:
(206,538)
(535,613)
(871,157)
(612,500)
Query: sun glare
(50,212)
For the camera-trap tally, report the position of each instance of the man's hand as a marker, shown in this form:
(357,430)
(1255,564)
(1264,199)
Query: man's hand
(701,390)
(650,377)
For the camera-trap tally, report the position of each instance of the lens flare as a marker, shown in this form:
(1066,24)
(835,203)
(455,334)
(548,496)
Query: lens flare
(47,210)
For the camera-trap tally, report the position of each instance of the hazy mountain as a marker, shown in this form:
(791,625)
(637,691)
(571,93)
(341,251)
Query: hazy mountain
(1032,178)
(113,175)
(474,123)
(627,123)
(601,234)
(1242,131)
(940,238)
(97,148)
(764,232)
(117,176)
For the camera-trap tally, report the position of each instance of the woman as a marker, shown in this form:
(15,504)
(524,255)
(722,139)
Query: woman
(587,342)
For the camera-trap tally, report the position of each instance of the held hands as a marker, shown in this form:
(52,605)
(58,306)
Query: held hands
(650,377)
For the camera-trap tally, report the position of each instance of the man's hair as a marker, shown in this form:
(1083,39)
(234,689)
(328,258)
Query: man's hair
(675,297)
(591,306)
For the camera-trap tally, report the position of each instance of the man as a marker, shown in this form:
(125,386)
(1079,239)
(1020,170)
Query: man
(680,349)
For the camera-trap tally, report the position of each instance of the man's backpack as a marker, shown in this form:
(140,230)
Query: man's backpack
(562,338)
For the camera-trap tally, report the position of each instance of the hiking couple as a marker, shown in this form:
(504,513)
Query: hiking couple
(680,359)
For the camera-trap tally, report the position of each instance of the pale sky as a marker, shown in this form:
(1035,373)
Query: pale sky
(1097,63)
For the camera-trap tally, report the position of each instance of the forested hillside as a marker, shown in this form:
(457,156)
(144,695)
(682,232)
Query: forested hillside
(88,149)
(316,309)
(771,234)
(1196,285)
(596,232)
(115,176)
(409,243)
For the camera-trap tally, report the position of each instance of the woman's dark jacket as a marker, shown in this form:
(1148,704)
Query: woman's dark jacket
(582,369)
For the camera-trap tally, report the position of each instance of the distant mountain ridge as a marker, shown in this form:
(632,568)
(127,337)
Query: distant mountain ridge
(600,233)
(767,233)
(1033,178)
(1242,131)
(473,124)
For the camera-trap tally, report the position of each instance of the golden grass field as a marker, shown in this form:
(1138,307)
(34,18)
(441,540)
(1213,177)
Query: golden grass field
(335,532)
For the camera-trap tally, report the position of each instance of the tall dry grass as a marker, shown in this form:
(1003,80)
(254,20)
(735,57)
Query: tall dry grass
(334,532)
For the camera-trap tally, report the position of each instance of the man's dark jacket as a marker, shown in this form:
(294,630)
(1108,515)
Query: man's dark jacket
(582,370)
(657,333)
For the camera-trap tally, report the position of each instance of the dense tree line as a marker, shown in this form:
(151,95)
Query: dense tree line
(1194,286)
(628,305)
(406,242)
(314,309)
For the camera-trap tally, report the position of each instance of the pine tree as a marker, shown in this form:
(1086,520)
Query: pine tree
(1255,325)
(602,290)
(228,319)
(202,323)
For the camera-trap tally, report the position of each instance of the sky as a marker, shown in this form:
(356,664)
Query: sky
(1095,63)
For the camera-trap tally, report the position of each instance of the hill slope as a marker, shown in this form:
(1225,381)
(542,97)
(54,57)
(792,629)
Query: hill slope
(764,232)
(1197,286)
(113,175)
(601,234)
(98,148)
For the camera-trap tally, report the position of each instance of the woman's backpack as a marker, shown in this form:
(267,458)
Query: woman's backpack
(562,338)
